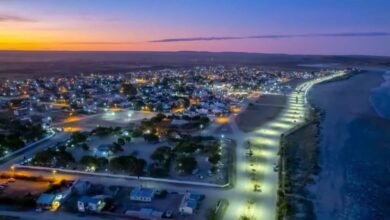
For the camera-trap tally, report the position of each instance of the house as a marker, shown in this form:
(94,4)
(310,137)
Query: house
(49,201)
(190,203)
(87,203)
(45,201)
(141,194)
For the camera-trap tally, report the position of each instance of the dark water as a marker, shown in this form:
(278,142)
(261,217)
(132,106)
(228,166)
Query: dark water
(355,148)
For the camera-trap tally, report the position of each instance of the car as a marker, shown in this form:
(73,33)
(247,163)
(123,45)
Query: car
(11,180)
(38,210)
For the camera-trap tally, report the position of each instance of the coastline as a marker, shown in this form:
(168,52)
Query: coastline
(295,199)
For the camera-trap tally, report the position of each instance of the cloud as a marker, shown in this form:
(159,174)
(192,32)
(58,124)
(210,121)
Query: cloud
(276,36)
(14,18)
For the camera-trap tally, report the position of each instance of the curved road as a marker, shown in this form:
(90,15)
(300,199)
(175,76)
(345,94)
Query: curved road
(258,169)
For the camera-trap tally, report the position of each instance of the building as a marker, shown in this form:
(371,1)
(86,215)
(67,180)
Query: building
(190,203)
(102,151)
(141,194)
(45,201)
(87,203)
(49,201)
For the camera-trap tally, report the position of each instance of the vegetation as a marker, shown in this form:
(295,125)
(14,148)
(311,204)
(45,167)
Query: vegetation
(97,162)
(187,164)
(137,133)
(105,131)
(78,137)
(151,138)
(115,148)
(127,164)
(162,156)
(53,158)
(18,134)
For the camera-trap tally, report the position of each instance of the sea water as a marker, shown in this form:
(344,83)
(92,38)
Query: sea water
(354,182)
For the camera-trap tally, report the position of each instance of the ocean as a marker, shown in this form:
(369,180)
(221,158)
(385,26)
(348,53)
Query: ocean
(354,182)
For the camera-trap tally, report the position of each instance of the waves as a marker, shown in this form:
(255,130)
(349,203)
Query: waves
(380,97)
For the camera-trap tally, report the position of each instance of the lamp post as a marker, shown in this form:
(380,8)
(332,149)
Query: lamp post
(54,174)
(13,170)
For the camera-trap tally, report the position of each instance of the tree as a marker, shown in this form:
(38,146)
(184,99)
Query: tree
(53,158)
(151,138)
(115,148)
(186,147)
(187,164)
(128,164)
(102,131)
(161,154)
(137,133)
(91,161)
(127,138)
(78,137)
(85,146)
(214,159)
(121,141)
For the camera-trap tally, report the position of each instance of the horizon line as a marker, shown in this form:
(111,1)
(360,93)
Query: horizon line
(183,51)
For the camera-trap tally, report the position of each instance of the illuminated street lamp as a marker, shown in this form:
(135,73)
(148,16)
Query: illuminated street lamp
(13,170)
(54,173)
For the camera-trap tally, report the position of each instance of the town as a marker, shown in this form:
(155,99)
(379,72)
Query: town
(145,144)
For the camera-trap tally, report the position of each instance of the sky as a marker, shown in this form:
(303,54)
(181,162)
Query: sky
(265,26)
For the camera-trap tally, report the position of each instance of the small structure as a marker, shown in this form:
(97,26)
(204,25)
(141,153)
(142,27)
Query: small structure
(102,151)
(190,203)
(93,204)
(45,201)
(141,194)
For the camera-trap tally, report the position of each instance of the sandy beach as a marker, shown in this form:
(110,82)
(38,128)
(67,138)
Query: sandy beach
(265,108)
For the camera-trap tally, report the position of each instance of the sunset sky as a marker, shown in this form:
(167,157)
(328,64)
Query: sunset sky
(267,26)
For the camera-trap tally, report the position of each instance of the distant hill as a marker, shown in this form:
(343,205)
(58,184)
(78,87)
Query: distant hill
(63,62)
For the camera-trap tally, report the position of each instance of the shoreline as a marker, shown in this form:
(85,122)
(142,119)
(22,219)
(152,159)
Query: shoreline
(296,200)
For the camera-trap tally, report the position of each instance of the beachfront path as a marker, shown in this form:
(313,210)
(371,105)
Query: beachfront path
(264,141)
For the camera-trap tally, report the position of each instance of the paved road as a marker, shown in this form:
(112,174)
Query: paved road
(259,168)
(58,137)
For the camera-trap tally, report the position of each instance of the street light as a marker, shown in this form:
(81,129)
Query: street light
(54,173)
(13,170)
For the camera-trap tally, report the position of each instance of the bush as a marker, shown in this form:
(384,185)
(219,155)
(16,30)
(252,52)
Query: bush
(137,133)
(187,164)
(78,137)
(115,148)
(128,164)
(97,162)
(151,138)
(214,159)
